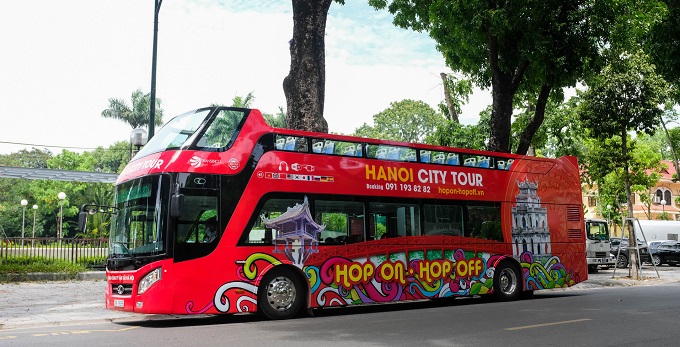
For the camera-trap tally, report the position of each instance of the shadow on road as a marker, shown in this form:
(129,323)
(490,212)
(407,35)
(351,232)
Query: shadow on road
(172,321)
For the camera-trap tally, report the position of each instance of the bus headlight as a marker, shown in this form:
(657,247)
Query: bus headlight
(148,280)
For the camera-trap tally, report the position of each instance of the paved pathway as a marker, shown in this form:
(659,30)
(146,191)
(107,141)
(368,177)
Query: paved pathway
(28,304)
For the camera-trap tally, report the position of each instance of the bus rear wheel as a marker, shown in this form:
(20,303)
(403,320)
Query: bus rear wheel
(280,294)
(506,283)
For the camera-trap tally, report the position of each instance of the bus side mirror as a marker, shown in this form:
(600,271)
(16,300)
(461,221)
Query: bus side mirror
(82,221)
(176,202)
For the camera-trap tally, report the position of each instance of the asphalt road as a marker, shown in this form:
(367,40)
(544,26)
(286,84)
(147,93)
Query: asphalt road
(640,315)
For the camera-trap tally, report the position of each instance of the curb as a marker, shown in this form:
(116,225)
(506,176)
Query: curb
(40,276)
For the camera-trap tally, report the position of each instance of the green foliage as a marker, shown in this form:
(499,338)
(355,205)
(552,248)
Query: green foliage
(663,45)
(664,216)
(406,120)
(136,116)
(563,129)
(452,134)
(13,268)
(43,193)
(625,96)
(92,262)
(335,221)
(277,120)
(459,91)
(533,47)
(34,158)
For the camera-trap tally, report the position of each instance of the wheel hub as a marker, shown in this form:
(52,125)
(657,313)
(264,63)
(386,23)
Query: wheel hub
(281,293)
(508,281)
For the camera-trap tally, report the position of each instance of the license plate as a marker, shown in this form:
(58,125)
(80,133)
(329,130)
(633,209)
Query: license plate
(118,303)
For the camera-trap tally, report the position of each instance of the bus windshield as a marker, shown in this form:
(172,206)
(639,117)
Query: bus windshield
(137,227)
(186,131)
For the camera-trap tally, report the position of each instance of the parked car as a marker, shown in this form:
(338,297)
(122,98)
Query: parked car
(622,258)
(653,245)
(667,253)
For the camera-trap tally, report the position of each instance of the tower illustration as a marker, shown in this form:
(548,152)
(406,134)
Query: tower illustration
(530,232)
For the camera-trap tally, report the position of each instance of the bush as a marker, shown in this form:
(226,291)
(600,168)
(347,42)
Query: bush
(11,267)
(93,262)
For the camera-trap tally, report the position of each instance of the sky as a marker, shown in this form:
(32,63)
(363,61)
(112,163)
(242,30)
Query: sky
(61,61)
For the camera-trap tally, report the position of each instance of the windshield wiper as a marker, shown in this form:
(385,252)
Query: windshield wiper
(126,250)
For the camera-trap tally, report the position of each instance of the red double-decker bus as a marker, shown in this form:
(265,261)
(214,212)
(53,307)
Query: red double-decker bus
(221,213)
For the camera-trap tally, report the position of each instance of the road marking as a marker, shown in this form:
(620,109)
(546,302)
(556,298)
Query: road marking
(85,331)
(549,324)
(7,337)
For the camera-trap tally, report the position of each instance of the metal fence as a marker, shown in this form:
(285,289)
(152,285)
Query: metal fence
(90,252)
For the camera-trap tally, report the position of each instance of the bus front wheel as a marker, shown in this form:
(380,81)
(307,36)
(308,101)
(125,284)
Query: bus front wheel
(280,294)
(506,284)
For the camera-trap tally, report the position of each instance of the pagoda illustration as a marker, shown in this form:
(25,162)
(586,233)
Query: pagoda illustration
(296,233)
(530,232)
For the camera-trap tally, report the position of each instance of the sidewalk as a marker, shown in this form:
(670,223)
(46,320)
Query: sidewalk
(55,302)
(50,302)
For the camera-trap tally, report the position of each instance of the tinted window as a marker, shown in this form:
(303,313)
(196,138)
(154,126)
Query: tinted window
(484,222)
(443,220)
(387,219)
(344,221)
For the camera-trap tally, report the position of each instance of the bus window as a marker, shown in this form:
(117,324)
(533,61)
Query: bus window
(391,152)
(222,130)
(438,157)
(409,154)
(344,221)
(393,220)
(292,143)
(257,233)
(192,239)
(425,156)
(443,220)
(484,222)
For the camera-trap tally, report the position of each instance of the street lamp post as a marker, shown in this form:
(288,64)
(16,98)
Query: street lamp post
(663,209)
(61,197)
(35,209)
(24,202)
(152,106)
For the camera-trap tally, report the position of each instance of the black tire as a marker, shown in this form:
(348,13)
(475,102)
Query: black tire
(506,283)
(622,261)
(281,294)
(656,260)
(592,269)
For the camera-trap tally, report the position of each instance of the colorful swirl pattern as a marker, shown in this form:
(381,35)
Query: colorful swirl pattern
(340,281)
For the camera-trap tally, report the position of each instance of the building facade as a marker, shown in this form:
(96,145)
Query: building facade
(664,200)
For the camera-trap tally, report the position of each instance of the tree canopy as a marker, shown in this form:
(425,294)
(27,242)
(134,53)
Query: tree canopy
(405,120)
(625,97)
(136,116)
(532,47)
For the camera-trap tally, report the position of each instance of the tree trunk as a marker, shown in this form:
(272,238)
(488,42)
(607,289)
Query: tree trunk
(453,115)
(304,87)
(535,121)
(504,86)
(501,114)
(634,270)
